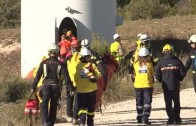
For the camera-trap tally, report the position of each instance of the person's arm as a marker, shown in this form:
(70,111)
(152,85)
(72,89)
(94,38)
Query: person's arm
(182,71)
(158,73)
(120,50)
(188,63)
(37,77)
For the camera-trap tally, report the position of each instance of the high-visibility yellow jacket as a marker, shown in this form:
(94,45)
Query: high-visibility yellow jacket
(114,50)
(71,66)
(83,84)
(144,75)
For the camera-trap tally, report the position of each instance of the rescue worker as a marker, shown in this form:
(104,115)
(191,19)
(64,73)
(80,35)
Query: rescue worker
(85,78)
(116,48)
(191,61)
(72,100)
(95,59)
(143,84)
(53,72)
(170,71)
(143,41)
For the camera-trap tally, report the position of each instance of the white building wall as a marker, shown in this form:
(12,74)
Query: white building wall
(38,24)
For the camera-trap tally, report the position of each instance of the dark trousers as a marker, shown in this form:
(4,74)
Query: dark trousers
(86,105)
(194,81)
(49,93)
(172,96)
(72,104)
(143,102)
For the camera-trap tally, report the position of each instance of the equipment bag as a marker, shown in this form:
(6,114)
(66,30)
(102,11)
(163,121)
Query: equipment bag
(31,106)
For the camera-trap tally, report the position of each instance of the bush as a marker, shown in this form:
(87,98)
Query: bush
(13,89)
(146,9)
(9,13)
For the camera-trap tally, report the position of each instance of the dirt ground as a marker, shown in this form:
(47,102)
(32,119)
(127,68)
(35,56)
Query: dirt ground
(124,113)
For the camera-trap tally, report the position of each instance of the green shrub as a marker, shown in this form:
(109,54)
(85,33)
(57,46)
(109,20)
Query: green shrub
(13,89)
(146,9)
(9,13)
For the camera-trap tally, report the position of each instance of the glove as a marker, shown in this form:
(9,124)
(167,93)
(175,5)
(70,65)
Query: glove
(93,79)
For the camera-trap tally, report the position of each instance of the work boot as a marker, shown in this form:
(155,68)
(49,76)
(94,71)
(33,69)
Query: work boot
(170,122)
(178,122)
(146,121)
(139,119)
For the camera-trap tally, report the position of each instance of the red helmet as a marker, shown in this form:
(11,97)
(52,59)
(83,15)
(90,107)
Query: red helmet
(74,43)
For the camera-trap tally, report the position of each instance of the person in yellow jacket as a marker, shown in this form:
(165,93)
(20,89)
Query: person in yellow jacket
(143,84)
(85,78)
(116,48)
(72,100)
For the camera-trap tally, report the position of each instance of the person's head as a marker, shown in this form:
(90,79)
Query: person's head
(143,56)
(85,43)
(192,41)
(69,33)
(75,45)
(62,37)
(145,40)
(168,49)
(53,50)
(85,55)
(117,37)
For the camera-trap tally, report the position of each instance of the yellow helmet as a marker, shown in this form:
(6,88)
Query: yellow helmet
(168,47)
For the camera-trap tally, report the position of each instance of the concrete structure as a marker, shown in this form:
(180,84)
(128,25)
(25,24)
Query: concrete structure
(42,22)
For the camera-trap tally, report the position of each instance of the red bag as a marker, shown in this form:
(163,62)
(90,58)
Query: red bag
(31,107)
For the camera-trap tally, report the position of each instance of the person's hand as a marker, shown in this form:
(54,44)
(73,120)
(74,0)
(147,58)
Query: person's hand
(93,79)
(132,77)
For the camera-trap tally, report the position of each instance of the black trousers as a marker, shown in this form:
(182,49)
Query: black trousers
(143,102)
(194,81)
(72,104)
(49,93)
(172,96)
(86,105)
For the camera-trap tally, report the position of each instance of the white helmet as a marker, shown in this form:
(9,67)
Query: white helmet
(144,38)
(143,52)
(85,51)
(116,36)
(139,35)
(53,48)
(85,43)
(192,39)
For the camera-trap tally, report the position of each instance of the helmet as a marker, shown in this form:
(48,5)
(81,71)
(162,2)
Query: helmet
(85,52)
(168,47)
(139,35)
(144,38)
(53,48)
(74,43)
(192,39)
(143,52)
(85,43)
(116,36)
(69,33)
